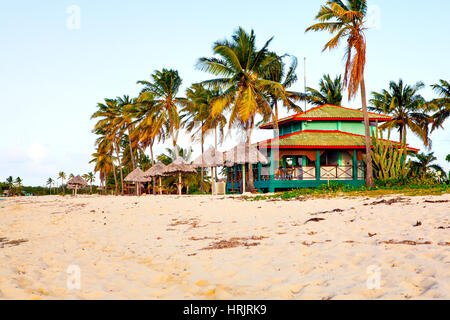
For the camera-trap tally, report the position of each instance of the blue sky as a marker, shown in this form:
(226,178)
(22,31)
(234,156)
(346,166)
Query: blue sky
(51,76)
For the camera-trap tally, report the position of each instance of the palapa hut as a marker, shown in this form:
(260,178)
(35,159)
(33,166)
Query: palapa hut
(179,166)
(211,158)
(76,183)
(156,171)
(240,156)
(136,176)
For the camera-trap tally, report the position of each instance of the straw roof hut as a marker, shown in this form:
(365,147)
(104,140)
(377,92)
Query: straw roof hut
(242,153)
(137,175)
(179,166)
(76,183)
(157,170)
(211,158)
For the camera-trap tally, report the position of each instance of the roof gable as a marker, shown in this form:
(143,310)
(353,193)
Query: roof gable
(330,112)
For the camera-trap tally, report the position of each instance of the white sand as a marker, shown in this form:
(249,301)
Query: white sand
(133,248)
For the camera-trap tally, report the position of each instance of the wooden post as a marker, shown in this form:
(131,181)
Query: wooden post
(317,165)
(259,171)
(213,182)
(160,186)
(179,183)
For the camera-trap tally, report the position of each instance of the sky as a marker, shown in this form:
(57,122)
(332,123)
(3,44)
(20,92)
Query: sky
(59,58)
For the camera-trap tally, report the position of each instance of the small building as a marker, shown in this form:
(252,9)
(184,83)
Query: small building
(323,144)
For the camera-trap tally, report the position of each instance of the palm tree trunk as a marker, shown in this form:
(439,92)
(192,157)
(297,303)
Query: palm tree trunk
(277,129)
(201,173)
(115,178)
(215,147)
(369,175)
(153,163)
(120,168)
(251,185)
(131,150)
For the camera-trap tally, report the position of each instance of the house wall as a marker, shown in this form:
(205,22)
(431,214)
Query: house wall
(356,127)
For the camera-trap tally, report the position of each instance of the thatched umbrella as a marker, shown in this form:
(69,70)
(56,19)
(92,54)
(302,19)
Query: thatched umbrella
(136,176)
(156,170)
(179,166)
(75,183)
(210,158)
(243,154)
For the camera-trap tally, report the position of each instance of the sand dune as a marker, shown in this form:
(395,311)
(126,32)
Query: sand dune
(202,247)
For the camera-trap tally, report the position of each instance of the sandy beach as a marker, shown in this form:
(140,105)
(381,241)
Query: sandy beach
(203,247)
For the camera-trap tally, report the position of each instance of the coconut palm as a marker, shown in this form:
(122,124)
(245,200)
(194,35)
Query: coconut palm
(441,105)
(163,91)
(240,69)
(329,92)
(196,113)
(10,184)
(104,159)
(71,176)
(62,176)
(90,178)
(18,183)
(278,72)
(50,183)
(423,162)
(345,21)
(406,106)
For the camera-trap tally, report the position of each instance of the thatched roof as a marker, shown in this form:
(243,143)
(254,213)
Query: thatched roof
(211,158)
(78,180)
(179,165)
(241,154)
(157,170)
(137,175)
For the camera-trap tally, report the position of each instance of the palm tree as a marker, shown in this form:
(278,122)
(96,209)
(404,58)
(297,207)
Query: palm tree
(125,121)
(113,124)
(241,68)
(10,184)
(90,178)
(163,91)
(405,106)
(18,182)
(62,176)
(441,104)
(278,73)
(425,162)
(50,183)
(346,21)
(196,114)
(330,92)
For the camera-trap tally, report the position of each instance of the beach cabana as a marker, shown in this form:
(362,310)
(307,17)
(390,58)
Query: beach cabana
(136,176)
(179,166)
(76,183)
(314,147)
(156,171)
(241,155)
(211,158)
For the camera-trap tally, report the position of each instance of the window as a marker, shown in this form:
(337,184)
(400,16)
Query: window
(329,158)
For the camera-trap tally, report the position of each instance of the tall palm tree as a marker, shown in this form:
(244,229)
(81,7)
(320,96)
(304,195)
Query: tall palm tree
(441,105)
(163,91)
(62,176)
(346,21)
(10,184)
(50,183)
(18,182)
(406,106)
(240,69)
(196,113)
(278,72)
(329,92)
(424,162)
(125,122)
(103,164)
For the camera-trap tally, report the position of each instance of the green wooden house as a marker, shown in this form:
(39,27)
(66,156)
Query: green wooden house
(323,144)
